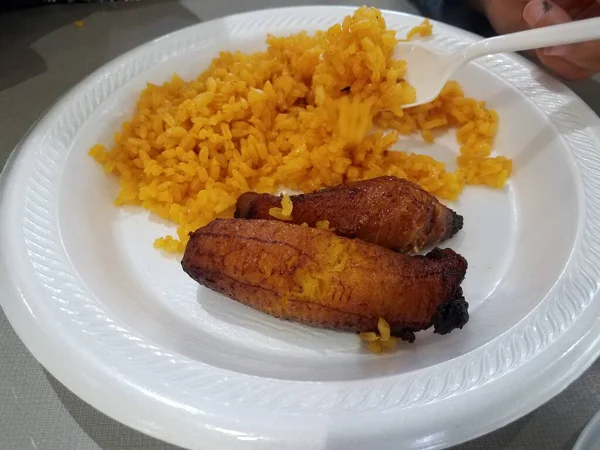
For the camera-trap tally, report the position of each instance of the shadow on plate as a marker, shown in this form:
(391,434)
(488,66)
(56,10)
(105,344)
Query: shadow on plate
(107,433)
(532,431)
(286,332)
(152,218)
(281,335)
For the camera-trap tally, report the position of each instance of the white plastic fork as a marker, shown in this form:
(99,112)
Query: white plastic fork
(428,71)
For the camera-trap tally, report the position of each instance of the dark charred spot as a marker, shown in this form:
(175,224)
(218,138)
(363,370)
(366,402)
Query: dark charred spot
(346,89)
(457,224)
(450,315)
(405,335)
(436,253)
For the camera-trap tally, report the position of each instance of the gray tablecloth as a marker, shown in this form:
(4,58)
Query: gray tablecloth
(42,54)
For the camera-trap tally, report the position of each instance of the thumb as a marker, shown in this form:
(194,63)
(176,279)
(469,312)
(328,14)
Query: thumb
(541,13)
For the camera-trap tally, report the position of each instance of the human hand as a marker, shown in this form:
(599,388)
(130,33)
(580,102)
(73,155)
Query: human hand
(572,62)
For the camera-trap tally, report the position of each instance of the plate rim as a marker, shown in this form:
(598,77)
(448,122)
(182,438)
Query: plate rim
(584,441)
(38,348)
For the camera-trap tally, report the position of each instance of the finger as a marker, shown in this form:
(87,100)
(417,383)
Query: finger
(574,7)
(585,55)
(592,10)
(583,59)
(577,9)
(541,13)
(564,68)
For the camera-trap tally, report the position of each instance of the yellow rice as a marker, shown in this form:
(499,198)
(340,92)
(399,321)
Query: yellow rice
(324,225)
(380,341)
(424,29)
(285,212)
(309,112)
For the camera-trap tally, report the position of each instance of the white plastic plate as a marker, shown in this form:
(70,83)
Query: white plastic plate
(124,328)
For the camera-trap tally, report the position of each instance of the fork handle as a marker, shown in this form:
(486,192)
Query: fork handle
(565,33)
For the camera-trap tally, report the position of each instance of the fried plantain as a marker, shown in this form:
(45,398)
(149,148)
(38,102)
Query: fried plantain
(315,277)
(388,211)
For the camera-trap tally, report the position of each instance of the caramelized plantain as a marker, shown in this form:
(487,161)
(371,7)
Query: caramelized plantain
(315,277)
(388,211)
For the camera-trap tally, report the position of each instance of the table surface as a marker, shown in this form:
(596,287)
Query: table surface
(43,54)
